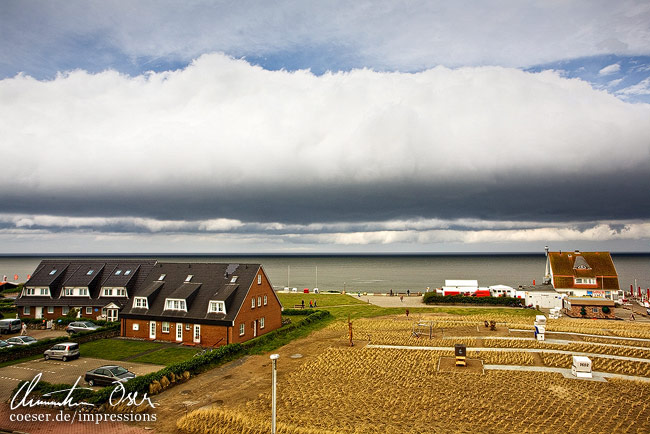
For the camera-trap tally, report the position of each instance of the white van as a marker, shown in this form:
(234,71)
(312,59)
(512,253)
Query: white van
(10,325)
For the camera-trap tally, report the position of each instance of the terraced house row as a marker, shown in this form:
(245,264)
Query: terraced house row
(206,304)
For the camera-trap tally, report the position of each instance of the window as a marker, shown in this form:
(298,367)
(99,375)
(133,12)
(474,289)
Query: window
(217,306)
(172,304)
(127,272)
(253,303)
(234,279)
(68,291)
(90,272)
(241,329)
(140,302)
(187,326)
(259,301)
(585,281)
(53,272)
(136,326)
(65,310)
(165,327)
(50,309)
(29,291)
(121,292)
(265,300)
(594,310)
(108,292)
(189,277)
(259,279)
(118,272)
(89,310)
(45,291)
(162,277)
(26,310)
(83,291)
(262,322)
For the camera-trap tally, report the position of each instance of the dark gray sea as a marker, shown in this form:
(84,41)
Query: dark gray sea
(381,273)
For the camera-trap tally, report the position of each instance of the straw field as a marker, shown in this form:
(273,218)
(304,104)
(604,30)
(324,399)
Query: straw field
(351,390)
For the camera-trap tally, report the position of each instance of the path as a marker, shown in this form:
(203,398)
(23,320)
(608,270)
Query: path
(597,376)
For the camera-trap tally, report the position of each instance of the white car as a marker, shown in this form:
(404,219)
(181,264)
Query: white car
(21,340)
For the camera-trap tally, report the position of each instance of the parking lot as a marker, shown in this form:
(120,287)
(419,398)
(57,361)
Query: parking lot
(55,371)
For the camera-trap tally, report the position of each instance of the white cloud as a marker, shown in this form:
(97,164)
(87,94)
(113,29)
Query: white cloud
(614,83)
(610,69)
(222,123)
(641,88)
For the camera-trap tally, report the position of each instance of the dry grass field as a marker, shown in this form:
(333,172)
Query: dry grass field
(371,390)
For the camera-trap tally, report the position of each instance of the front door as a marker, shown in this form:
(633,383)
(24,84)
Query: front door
(38,312)
(197,333)
(179,332)
(111,314)
(254,327)
(152,329)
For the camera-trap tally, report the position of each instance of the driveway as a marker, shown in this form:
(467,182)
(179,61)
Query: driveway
(56,371)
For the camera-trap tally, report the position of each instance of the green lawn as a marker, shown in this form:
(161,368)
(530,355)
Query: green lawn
(167,356)
(115,349)
(289,300)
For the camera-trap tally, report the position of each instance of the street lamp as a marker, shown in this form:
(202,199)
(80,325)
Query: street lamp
(274,358)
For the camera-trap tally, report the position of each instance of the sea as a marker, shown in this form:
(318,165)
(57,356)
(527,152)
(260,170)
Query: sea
(376,273)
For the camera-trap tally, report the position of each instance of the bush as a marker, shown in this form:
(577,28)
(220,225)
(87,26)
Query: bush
(606,309)
(433,298)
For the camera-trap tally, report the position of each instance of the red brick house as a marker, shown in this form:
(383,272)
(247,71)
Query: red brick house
(593,307)
(96,288)
(204,304)
(583,274)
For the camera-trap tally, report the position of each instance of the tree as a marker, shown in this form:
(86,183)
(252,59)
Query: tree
(605,309)
(583,311)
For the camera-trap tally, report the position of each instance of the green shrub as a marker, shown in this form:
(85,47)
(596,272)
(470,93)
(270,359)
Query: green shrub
(433,298)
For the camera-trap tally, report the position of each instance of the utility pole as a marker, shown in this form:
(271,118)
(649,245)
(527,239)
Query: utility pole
(274,358)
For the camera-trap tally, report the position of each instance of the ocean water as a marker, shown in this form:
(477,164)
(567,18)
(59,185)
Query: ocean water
(381,273)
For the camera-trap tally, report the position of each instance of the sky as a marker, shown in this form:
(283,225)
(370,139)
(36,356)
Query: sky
(324,127)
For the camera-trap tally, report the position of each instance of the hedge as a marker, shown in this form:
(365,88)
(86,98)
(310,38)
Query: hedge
(194,366)
(432,298)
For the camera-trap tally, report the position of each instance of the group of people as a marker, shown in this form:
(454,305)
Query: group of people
(311,304)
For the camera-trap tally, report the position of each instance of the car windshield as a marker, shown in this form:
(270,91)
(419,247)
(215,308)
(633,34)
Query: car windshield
(118,370)
(88,324)
(29,339)
(3,344)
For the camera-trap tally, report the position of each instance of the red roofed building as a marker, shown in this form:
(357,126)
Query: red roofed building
(583,274)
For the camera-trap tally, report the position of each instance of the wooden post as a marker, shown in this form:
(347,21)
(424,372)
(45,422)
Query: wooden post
(350,330)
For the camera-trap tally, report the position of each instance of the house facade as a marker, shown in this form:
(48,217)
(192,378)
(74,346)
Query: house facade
(205,304)
(583,274)
(591,307)
(98,289)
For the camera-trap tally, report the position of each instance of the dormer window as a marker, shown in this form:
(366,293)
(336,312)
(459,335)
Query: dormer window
(29,291)
(90,272)
(140,302)
(53,272)
(108,292)
(68,291)
(585,281)
(45,291)
(217,307)
(189,277)
(118,272)
(234,279)
(175,304)
(162,277)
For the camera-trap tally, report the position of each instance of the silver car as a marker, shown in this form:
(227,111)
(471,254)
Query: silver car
(80,326)
(21,340)
(64,351)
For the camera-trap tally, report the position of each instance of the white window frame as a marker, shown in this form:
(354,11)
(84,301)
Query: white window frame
(197,333)
(265,300)
(585,281)
(30,291)
(188,326)
(259,301)
(136,326)
(89,309)
(175,304)
(216,307)
(594,310)
(68,291)
(262,322)
(45,291)
(165,326)
(50,309)
(179,331)
(253,303)
(26,310)
(152,329)
(242,329)
(140,303)
(65,310)
(259,279)
(108,292)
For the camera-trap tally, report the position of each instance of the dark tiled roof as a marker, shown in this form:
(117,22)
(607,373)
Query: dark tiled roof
(209,282)
(81,276)
(42,276)
(121,274)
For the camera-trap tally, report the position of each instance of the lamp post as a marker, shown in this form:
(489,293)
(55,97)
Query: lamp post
(274,358)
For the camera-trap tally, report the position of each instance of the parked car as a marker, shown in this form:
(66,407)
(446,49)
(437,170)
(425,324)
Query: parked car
(21,340)
(10,325)
(64,351)
(107,375)
(80,326)
(5,344)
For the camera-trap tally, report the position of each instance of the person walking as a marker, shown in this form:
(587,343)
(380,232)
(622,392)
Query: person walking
(401,298)
(303,304)
(24,330)
(408,292)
